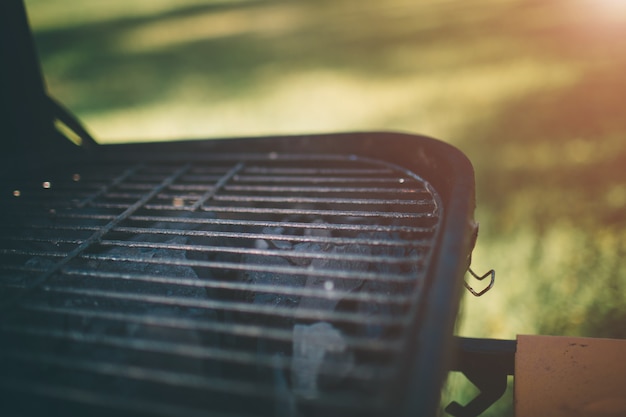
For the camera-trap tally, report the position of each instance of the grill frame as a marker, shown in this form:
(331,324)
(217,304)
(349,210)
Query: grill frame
(449,172)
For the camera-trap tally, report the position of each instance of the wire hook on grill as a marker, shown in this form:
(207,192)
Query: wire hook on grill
(486,363)
(491,273)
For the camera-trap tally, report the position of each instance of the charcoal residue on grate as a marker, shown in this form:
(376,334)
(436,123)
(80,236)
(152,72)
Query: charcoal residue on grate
(264,284)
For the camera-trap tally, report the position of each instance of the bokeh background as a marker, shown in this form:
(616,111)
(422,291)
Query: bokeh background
(533,91)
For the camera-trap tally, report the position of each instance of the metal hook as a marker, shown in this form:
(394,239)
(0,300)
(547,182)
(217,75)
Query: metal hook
(491,273)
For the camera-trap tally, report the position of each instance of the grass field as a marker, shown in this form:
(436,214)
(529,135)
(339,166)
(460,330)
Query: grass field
(534,92)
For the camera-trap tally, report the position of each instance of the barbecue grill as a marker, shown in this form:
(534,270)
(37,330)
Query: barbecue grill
(310,275)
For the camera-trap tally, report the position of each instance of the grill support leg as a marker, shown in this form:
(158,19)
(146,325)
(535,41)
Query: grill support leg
(486,363)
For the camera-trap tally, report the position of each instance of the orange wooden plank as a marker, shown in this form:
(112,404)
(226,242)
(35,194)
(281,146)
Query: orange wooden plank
(570,377)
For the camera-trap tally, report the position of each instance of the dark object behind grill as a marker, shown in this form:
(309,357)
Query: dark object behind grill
(309,275)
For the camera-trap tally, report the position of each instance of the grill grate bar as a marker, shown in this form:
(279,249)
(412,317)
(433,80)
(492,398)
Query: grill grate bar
(211,222)
(275,237)
(318,200)
(306,212)
(215,170)
(32,252)
(191,180)
(308,189)
(377,172)
(183,323)
(287,254)
(54,241)
(251,223)
(203,186)
(59,227)
(22,268)
(369,297)
(234,306)
(290,224)
(279,211)
(322,180)
(336,274)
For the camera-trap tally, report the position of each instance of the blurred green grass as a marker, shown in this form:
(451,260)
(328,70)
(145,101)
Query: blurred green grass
(534,92)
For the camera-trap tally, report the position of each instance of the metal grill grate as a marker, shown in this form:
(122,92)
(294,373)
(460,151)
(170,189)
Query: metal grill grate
(229,284)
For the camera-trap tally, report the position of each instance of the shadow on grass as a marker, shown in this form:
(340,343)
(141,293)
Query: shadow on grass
(90,62)
(97,68)
(557,157)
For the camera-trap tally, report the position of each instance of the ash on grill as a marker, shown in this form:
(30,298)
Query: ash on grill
(321,358)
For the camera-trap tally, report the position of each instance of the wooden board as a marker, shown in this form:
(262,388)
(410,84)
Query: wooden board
(570,377)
